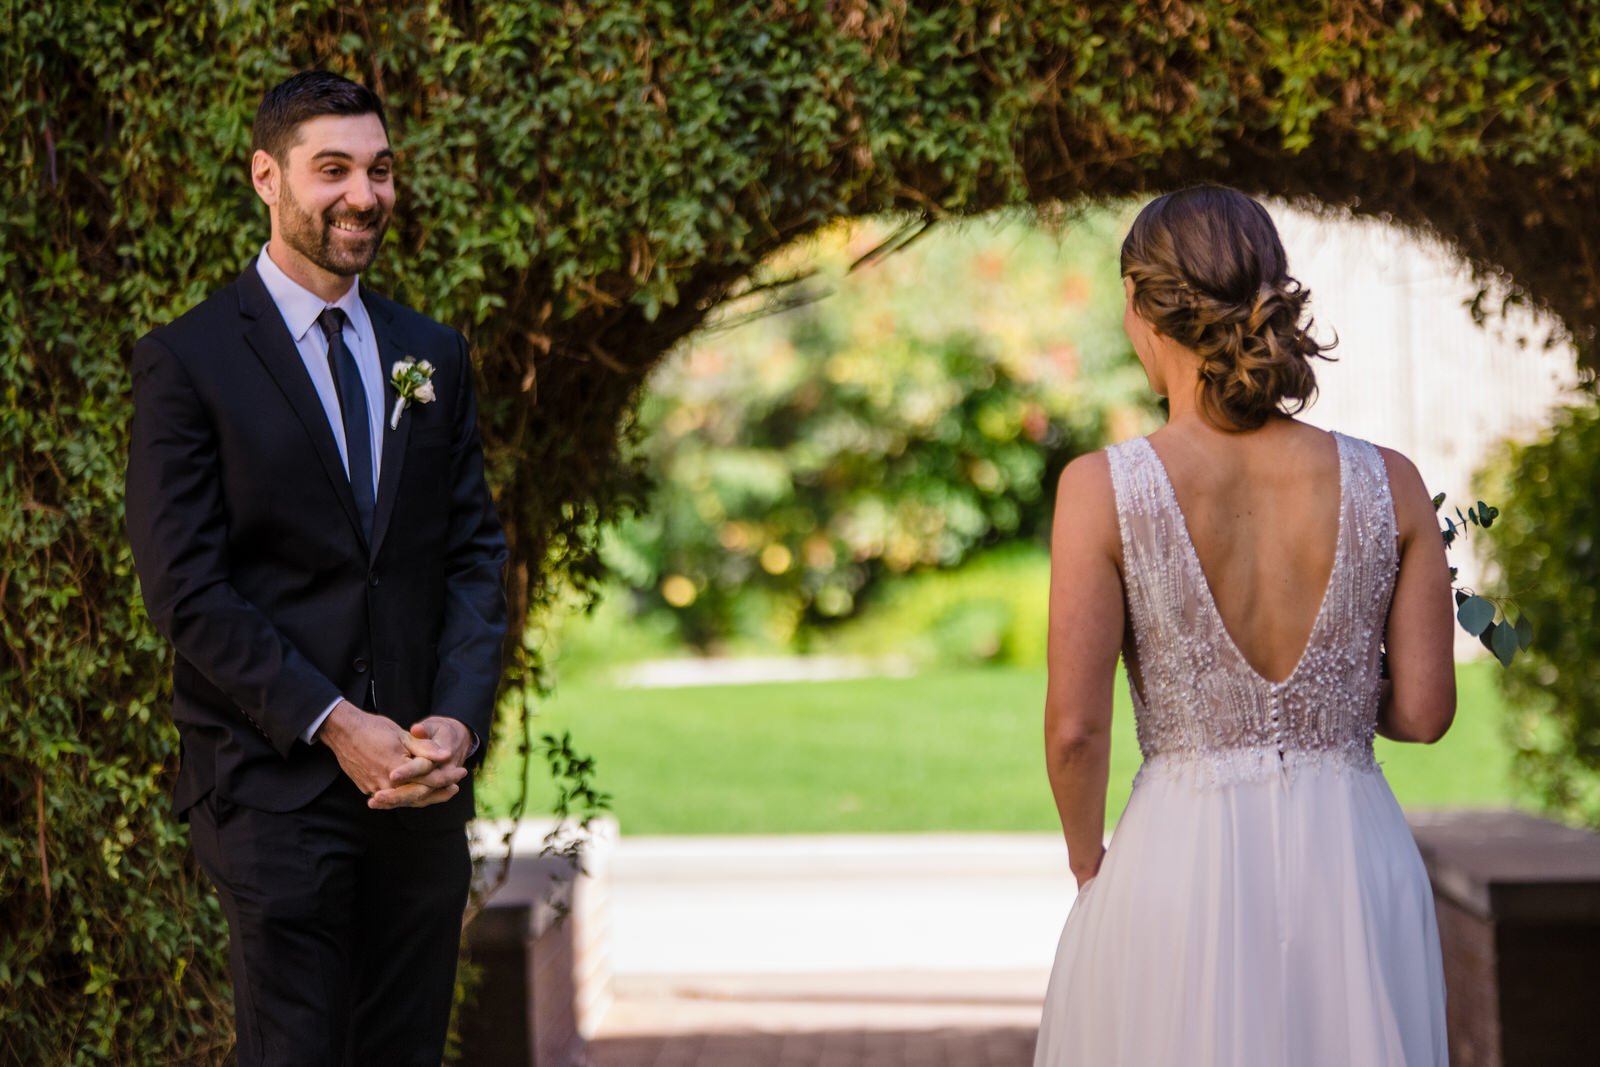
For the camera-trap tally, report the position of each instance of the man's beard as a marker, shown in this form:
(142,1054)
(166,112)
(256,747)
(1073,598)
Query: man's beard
(313,237)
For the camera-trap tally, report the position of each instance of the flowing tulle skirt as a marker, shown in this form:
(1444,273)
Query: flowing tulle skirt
(1281,921)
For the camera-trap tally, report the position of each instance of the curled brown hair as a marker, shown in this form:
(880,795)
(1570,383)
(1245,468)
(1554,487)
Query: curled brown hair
(1209,271)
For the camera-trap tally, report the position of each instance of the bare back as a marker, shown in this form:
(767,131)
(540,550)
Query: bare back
(1262,511)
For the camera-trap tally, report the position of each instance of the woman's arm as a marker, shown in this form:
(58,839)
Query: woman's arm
(1086,624)
(1419,700)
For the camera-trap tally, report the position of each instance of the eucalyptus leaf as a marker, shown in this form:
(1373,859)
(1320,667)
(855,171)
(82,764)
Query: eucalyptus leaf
(1504,642)
(1475,615)
(1524,633)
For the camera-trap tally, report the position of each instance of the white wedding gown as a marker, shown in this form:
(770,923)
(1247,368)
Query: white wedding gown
(1262,902)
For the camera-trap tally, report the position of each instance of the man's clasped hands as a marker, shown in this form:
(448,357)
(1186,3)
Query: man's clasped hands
(395,767)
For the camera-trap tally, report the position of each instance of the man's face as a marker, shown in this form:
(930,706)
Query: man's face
(333,196)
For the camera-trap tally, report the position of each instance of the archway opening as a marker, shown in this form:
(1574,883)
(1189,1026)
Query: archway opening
(854,484)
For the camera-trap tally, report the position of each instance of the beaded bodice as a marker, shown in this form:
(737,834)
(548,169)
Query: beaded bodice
(1197,700)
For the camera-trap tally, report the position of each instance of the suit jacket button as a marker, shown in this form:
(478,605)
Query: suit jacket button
(360,665)
(372,580)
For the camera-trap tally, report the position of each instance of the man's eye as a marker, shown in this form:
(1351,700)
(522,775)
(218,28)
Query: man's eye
(332,172)
(381,173)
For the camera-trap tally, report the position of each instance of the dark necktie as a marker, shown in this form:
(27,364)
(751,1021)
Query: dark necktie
(353,409)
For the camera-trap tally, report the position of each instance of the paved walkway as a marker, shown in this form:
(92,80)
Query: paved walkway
(836,903)
(845,1020)
(858,951)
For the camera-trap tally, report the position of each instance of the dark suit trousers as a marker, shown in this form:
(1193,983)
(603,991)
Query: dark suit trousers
(344,925)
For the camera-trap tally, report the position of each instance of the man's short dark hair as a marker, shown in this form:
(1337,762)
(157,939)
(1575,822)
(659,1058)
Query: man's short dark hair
(308,95)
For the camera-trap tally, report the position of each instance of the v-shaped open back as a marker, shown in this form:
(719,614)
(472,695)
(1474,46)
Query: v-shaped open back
(1197,693)
(1202,583)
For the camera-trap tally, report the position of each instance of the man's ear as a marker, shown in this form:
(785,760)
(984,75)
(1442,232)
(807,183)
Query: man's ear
(265,176)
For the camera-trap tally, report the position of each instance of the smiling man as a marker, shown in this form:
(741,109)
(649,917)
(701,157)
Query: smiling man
(313,535)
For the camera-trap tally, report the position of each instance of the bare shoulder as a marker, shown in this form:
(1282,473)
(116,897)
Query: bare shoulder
(1086,482)
(1403,474)
(1085,523)
(1086,507)
(1413,504)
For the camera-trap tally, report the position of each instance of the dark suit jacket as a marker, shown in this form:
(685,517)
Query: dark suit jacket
(252,564)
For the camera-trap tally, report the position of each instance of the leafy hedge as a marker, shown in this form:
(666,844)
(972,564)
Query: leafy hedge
(581,183)
(1546,551)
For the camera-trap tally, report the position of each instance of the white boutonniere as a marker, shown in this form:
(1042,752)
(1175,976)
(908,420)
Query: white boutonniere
(413,380)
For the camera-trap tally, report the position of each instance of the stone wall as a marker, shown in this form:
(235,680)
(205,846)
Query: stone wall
(1518,900)
(541,943)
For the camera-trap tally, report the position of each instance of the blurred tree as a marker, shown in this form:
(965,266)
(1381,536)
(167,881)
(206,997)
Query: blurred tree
(1545,549)
(902,416)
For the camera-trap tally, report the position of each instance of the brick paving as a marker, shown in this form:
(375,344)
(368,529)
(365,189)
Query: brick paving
(883,1020)
(998,1047)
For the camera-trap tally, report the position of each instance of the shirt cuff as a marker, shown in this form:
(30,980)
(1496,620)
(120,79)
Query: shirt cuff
(309,737)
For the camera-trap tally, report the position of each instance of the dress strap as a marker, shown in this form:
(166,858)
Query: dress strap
(1160,598)
(1141,505)
(1370,519)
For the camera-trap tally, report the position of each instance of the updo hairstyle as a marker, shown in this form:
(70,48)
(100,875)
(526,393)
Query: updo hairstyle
(1209,272)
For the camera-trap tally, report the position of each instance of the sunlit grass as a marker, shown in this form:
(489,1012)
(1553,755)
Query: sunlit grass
(957,750)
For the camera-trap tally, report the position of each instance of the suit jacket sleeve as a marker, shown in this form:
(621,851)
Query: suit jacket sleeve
(177,527)
(474,624)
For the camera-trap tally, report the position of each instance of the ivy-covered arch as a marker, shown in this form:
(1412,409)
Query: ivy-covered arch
(1458,120)
(581,183)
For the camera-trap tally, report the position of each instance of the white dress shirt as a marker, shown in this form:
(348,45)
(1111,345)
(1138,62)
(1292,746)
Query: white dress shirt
(300,308)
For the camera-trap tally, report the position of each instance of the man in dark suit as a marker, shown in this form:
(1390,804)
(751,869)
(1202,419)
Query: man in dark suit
(321,550)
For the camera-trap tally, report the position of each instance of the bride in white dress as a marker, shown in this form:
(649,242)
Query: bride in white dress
(1262,901)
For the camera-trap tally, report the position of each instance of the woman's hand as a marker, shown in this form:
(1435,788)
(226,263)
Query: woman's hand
(1085,873)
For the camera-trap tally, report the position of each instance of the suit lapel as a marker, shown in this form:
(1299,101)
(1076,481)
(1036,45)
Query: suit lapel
(394,437)
(269,338)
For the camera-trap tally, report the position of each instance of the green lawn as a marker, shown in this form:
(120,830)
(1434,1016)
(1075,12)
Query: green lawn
(939,751)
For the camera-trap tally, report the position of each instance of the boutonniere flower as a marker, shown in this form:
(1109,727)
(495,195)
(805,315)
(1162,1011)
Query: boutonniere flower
(413,380)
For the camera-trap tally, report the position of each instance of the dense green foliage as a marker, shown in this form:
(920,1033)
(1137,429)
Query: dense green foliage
(1546,550)
(916,414)
(581,183)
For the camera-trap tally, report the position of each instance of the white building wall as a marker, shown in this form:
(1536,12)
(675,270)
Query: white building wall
(1414,372)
